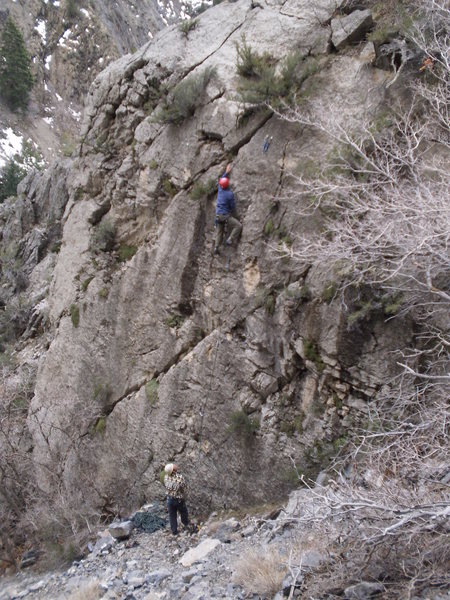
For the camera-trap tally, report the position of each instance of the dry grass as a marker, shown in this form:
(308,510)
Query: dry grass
(88,591)
(261,570)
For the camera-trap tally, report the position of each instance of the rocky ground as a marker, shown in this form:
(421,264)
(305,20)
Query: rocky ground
(155,565)
(270,552)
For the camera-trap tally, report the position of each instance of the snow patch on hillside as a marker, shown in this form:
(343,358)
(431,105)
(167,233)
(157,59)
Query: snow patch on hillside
(10,145)
(41,28)
(64,40)
(75,114)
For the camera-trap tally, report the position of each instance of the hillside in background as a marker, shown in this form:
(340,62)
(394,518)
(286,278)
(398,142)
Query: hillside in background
(70,43)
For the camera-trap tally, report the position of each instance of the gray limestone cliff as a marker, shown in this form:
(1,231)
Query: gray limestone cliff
(235,366)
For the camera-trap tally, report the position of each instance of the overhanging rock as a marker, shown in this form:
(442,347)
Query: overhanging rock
(351,28)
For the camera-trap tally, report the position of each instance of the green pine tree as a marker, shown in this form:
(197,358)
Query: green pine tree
(16,79)
(10,176)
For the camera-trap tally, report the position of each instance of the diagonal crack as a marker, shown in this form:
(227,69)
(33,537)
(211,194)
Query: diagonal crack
(193,67)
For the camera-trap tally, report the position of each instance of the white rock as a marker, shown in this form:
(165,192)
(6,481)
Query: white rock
(199,552)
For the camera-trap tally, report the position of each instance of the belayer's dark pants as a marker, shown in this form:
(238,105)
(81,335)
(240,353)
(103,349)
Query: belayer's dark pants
(173,506)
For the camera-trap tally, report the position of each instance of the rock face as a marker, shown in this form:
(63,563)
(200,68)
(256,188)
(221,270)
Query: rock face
(30,233)
(230,366)
(351,28)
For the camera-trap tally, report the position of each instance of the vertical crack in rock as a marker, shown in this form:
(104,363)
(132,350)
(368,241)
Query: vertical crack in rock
(189,275)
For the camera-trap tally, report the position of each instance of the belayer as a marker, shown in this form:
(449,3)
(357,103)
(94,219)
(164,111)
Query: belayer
(175,485)
(226,212)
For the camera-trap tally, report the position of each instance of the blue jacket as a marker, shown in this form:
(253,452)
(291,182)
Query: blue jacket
(225,200)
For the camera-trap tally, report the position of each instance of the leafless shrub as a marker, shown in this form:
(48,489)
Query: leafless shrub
(432,36)
(383,204)
(61,527)
(383,199)
(16,471)
(261,570)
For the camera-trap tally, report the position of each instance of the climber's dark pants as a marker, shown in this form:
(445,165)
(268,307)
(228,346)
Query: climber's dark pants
(173,506)
(234,228)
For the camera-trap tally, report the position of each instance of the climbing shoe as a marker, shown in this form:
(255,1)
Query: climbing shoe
(216,251)
(228,242)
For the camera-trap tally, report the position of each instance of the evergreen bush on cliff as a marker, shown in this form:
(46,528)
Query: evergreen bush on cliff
(104,237)
(187,95)
(17,167)
(16,79)
(186,26)
(264,81)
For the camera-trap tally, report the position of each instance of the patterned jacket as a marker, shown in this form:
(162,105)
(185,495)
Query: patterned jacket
(175,486)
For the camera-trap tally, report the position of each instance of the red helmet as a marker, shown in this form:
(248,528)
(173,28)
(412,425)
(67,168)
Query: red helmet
(224,182)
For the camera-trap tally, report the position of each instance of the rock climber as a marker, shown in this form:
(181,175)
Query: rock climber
(175,485)
(226,212)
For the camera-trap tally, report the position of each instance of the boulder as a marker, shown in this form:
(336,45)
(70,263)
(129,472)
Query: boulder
(121,531)
(104,543)
(135,579)
(158,576)
(200,552)
(226,532)
(363,591)
(29,558)
(350,28)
